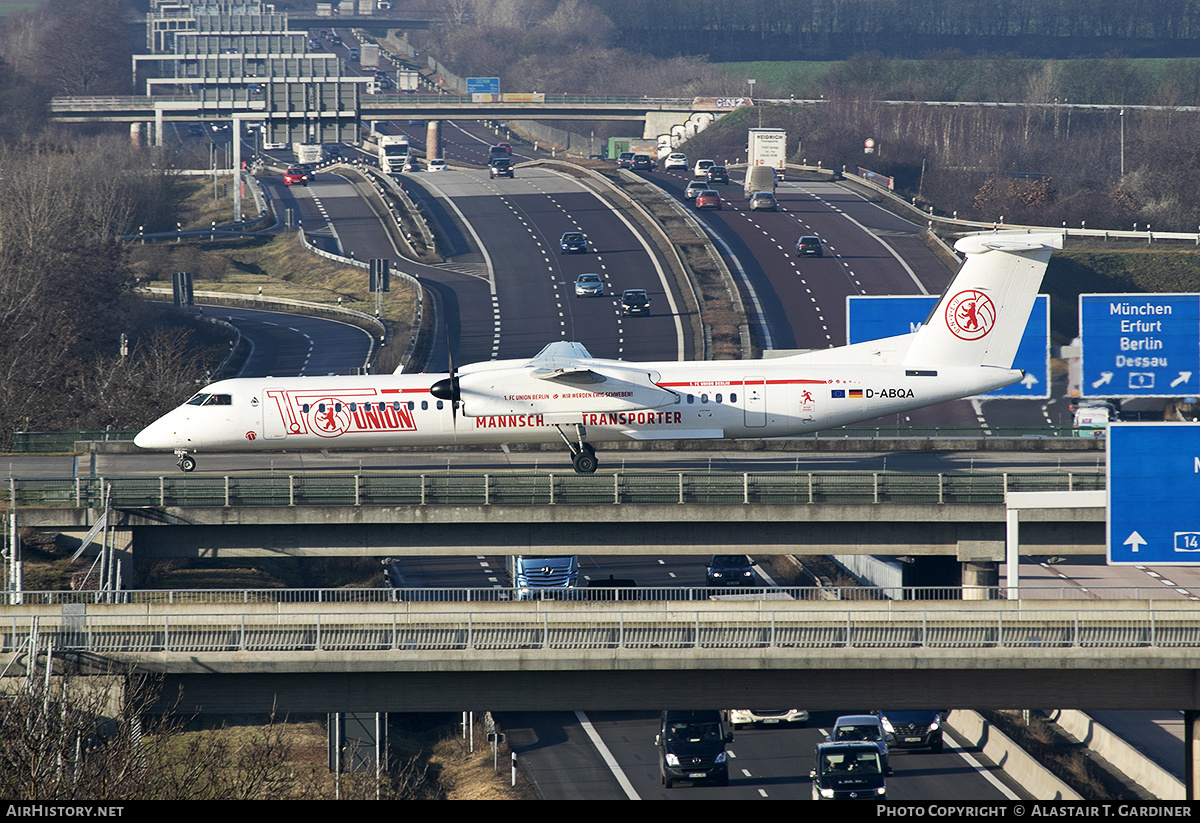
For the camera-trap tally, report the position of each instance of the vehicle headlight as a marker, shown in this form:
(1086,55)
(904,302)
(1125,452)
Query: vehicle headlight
(887,726)
(881,790)
(827,793)
(672,760)
(720,758)
(933,727)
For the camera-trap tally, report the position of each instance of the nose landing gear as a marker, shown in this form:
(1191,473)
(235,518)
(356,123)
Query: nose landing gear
(186,462)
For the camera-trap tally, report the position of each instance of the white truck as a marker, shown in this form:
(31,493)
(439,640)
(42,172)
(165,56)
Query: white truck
(393,152)
(307,153)
(368,55)
(767,147)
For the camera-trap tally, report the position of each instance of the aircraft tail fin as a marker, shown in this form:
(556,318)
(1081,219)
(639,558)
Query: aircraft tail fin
(981,317)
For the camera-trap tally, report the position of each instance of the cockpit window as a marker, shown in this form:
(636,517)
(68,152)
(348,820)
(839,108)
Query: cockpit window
(198,400)
(219,400)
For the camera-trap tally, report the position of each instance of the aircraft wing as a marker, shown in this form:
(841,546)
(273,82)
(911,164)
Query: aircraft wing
(562,379)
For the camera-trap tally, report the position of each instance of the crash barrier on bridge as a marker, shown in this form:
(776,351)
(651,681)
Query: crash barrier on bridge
(545,489)
(596,593)
(121,629)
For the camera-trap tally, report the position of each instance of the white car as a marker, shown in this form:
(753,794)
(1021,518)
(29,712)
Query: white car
(436,164)
(677,160)
(767,717)
(702,167)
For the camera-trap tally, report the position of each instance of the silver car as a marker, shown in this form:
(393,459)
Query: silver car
(763,201)
(589,285)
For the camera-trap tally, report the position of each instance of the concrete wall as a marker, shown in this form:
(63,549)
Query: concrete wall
(998,748)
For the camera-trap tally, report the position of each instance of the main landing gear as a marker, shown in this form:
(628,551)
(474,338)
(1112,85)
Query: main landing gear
(583,453)
(186,462)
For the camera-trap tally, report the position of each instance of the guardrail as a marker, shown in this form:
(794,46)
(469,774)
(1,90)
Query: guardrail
(544,489)
(791,629)
(599,593)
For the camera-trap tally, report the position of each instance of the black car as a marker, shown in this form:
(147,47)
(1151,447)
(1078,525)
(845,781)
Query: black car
(635,301)
(692,747)
(730,570)
(643,162)
(573,242)
(913,730)
(500,167)
(717,174)
(810,245)
(848,771)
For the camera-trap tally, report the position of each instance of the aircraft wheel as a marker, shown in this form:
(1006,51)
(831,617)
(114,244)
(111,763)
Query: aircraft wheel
(187,463)
(589,448)
(585,462)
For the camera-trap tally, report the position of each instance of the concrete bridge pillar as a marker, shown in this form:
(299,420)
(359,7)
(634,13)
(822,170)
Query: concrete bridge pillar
(978,576)
(135,134)
(433,140)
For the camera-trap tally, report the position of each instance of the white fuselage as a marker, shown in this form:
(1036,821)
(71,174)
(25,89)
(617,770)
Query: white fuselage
(726,399)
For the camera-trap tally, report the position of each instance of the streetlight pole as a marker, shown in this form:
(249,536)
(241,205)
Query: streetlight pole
(1121,115)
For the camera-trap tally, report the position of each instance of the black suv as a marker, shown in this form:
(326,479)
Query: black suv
(730,570)
(848,771)
(913,730)
(500,167)
(717,174)
(692,747)
(642,162)
(635,301)
(810,245)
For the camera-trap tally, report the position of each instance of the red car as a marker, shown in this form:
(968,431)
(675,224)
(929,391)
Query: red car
(295,176)
(708,199)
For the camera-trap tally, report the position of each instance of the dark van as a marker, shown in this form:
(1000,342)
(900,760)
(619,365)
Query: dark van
(848,771)
(691,746)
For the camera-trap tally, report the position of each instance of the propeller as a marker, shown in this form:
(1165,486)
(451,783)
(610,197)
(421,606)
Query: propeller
(448,389)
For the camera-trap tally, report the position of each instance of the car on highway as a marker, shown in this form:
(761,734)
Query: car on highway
(625,160)
(500,167)
(642,162)
(506,146)
(573,242)
(332,151)
(730,570)
(763,201)
(767,717)
(694,188)
(589,285)
(717,174)
(411,164)
(437,164)
(913,729)
(702,167)
(635,301)
(676,160)
(810,245)
(708,199)
(848,771)
(864,728)
(691,747)
(295,176)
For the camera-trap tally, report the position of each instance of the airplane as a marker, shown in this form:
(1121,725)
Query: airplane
(965,348)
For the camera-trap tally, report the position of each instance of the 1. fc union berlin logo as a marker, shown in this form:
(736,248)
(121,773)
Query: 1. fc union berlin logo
(970,314)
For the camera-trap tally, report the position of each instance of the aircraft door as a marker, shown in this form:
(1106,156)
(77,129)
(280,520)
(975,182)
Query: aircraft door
(754,390)
(275,411)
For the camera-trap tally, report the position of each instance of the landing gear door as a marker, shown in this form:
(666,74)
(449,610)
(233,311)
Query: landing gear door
(754,390)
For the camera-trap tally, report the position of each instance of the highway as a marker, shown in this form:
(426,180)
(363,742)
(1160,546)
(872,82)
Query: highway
(507,278)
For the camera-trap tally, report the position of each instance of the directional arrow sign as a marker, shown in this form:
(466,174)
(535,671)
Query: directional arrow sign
(871,317)
(1153,489)
(1139,345)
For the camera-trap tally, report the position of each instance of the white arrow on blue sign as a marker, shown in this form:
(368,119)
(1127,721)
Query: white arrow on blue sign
(1153,486)
(1139,345)
(873,317)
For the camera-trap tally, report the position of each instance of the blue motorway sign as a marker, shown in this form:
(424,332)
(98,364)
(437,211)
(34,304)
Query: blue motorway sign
(870,317)
(1139,345)
(483,85)
(1153,486)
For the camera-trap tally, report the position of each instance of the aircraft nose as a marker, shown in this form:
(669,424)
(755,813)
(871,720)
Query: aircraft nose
(158,435)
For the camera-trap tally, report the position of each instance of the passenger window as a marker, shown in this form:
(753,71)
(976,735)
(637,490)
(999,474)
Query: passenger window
(718,398)
(411,405)
(439,405)
(424,405)
(353,407)
(321,408)
(704,398)
(691,399)
(732,397)
(337,407)
(304,408)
